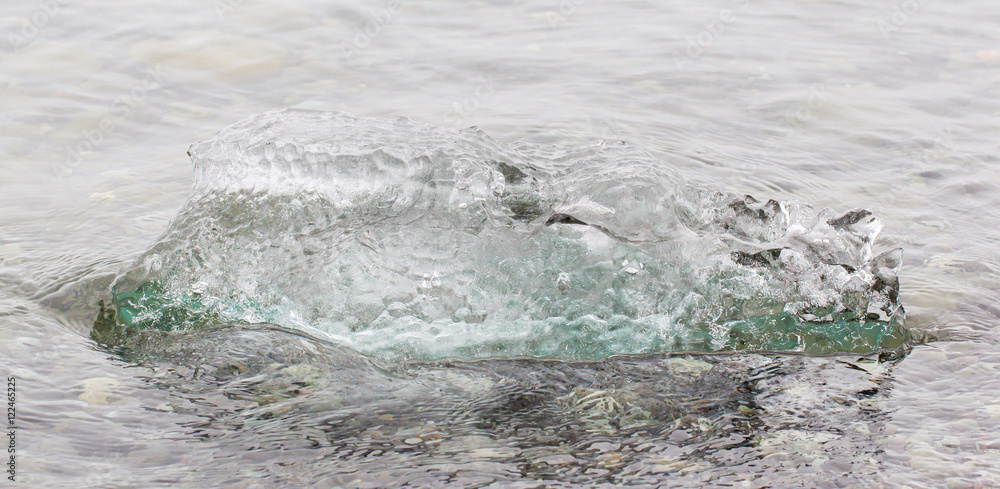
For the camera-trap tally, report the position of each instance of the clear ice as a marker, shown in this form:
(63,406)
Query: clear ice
(404,240)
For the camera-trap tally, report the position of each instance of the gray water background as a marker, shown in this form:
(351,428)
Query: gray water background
(894,107)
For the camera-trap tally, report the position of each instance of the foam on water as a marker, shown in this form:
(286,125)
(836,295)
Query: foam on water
(398,238)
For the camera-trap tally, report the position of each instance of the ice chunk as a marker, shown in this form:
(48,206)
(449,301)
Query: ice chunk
(408,239)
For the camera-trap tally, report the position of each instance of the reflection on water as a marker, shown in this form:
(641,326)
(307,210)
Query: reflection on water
(840,104)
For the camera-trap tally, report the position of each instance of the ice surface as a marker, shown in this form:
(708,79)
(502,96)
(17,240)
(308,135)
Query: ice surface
(398,238)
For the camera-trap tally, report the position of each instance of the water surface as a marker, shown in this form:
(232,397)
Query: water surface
(839,105)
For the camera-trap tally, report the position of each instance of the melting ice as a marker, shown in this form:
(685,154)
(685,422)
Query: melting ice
(401,239)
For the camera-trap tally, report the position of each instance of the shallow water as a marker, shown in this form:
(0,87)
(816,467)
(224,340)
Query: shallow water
(837,104)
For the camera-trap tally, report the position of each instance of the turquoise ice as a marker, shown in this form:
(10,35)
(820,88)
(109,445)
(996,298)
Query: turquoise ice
(398,238)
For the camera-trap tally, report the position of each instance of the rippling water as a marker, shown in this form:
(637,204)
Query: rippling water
(887,107)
